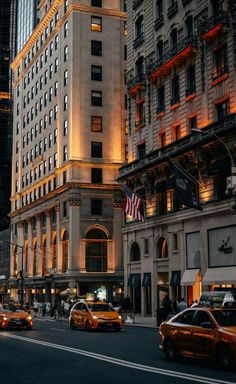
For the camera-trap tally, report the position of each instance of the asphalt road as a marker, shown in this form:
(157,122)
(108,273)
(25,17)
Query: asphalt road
(53,353)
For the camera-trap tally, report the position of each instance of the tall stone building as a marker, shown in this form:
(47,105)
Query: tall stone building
(181,79)
(69,142)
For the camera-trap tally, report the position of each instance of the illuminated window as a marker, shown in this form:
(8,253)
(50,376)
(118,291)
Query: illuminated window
(96,23)
(96,123)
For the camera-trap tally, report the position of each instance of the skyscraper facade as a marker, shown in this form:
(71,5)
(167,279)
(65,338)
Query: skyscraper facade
(69,142)
(26,21)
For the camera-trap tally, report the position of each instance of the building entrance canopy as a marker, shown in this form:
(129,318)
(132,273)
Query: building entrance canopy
(222,275)
(189,277)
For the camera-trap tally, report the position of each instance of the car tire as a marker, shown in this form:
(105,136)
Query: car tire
(169,349)
(118,328)
(72,325)
(87,325)
(223,356)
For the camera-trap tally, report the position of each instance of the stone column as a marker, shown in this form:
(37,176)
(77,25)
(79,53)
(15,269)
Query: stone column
(115,260)
(39,248)
(74,234)
(48,240)
(59,250)
(30,248)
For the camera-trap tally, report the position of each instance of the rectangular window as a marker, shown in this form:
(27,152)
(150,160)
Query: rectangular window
(192,123)
(141,150)
(175,242)
(96,207)
(96,23)
(175,98)
(96,123)
(96,3)
(96,98)
(96,72)
(65,153)
(220,62)
(65,213)
(190,81)
(65,128)
(96,175)
(96,149)
(160,99)
(176,132)
(96,48)
(146,247)
(222,110)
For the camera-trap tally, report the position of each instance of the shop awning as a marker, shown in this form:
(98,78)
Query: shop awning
(175,278)
(189,276)
(134,280)
(146,280)
(222,275)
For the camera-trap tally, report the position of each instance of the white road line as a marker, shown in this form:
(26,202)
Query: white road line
(127,364)
(58,329)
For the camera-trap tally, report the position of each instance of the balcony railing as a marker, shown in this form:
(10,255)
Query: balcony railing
(136,3)
(207,25)
(176,148)
(177,50)
(137,80)
(159,22)
(139,40)
(172,10)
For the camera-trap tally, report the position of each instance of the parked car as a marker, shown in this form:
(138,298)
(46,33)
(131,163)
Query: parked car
(94,315)
(14,316)
(223,298)
(201,332)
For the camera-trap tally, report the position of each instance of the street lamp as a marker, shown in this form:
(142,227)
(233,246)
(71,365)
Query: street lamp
(22,269)
(231,180)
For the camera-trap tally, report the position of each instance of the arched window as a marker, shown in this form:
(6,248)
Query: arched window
(34,259)
(96,251)
(135,252)
(162,248)
(65,252)
(43,257)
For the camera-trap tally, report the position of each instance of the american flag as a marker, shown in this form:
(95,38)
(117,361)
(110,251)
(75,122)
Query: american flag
(133,204)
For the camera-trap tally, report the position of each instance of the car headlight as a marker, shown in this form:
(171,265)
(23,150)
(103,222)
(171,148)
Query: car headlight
(95,317)
(29,318)
(5,318)
(120,317)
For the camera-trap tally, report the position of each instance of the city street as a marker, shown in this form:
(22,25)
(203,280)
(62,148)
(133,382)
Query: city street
(52,352)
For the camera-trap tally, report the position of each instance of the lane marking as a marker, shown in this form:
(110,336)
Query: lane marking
(59,329)
(127,364)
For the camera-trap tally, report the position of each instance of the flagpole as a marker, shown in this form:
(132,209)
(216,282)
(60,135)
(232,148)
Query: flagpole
(186,173)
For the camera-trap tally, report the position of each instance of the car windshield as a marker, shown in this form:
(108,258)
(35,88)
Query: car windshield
(225,318)
(11,308)
(100,307)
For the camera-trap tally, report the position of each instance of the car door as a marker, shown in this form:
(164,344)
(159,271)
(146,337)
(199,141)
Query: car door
(77,314)
(182,330)
(203,334)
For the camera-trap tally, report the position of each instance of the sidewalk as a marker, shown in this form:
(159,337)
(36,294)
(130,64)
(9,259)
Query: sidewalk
(143,321)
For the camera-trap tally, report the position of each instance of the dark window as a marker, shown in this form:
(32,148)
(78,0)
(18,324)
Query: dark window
(96,23)
(189,26)
(65,213)
(96,3)
(96,175)
(141,150)
(186,318)
(222,110)
(202,317)
(159,8)
(96,72)
(190,81)
(220,62)
(192,123)
(96,98)
(161,99)
(96,149)
(139,27)
(160,49)
(96,123)
(96,251)
(135,252)
(176,132)
(175,90)
(96,48)
(173,38)
(96,207)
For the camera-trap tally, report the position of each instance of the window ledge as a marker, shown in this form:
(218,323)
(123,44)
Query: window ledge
(174,106)
(220,79)
(190,97)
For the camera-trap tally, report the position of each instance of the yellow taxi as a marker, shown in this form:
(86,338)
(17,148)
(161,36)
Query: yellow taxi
(94,315)
(201,332)
(14,316)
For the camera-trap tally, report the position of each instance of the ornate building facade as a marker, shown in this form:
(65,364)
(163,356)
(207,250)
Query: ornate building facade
(69,142)
(181,109)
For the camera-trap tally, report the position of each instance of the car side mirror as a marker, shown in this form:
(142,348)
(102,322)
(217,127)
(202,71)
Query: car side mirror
(207,324)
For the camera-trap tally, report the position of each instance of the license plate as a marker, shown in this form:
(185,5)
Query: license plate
(109,324)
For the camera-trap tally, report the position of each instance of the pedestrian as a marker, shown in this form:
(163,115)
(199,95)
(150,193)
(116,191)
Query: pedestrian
(43,309)
(194,303)
(175,305)
(182,305)
(48,308)
(36,307)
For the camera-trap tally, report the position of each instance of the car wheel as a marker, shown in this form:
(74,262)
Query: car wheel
(169,349)
(72,324)
(223,356)
(87,325)
(118,328)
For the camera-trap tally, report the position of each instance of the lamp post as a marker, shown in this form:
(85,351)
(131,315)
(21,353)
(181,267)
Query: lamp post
(22,269)
(231,180)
